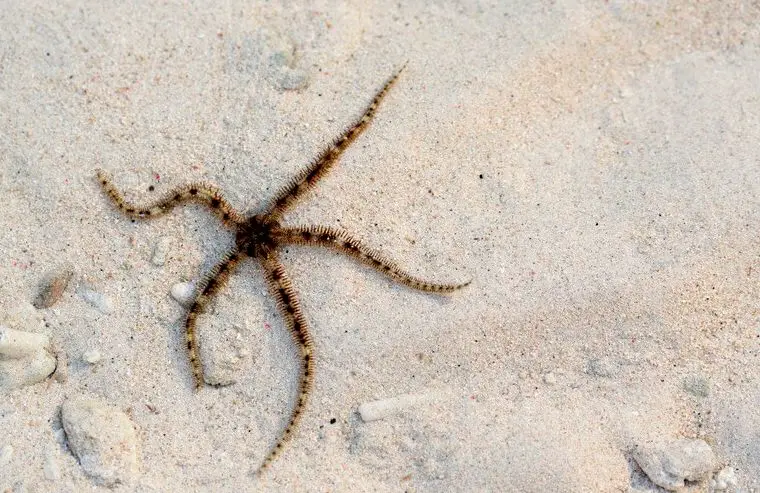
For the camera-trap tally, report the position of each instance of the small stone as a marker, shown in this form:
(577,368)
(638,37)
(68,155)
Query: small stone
(103,439)
(725,479)
(6,453)
(183,293)
(669,465)
(52,287)
(160,251)
(98,300)
(91,356)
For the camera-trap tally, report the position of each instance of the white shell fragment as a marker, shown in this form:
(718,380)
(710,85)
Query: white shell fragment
(24,358)
(183,293)
(669,465)
(103,439)
(383,408)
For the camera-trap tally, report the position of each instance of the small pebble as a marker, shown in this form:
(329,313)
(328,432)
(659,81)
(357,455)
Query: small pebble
(669,465)
(183,293)
(103,439)
(6,452)
(98,300)
(160,251)
(725,479)
(52,287)
(91,356)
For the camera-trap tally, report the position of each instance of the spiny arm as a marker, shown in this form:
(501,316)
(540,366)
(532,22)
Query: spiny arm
(203,193)
(288,304)
(307,178)
(345,242)
(207,287)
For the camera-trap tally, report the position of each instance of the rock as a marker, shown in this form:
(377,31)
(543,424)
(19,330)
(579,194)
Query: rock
(52,287)
(670,464)
(183,293)
(103,439)
(725,479)
(91,356)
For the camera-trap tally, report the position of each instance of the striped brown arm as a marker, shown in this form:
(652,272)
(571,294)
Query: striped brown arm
(203,193)
(287,303)
(345,242)
(207,287)
(308,178)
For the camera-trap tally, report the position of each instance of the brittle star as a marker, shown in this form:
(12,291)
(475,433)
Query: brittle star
(259,236)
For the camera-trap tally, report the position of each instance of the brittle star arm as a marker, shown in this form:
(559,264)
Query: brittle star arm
(307,179)
(288,304)
(345,242)
(207,287)
(203,193)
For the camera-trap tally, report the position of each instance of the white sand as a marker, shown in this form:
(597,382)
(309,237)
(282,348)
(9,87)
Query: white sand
(593,166)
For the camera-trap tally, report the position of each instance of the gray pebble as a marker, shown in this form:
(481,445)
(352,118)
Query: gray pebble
(98,300)
(103,439)
(668,465)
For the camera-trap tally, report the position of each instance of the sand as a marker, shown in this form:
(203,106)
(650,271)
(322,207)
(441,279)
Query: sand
(593,167)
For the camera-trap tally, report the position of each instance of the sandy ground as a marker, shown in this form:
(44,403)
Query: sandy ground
(592,166)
